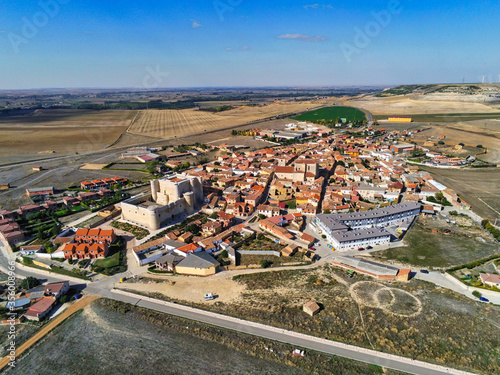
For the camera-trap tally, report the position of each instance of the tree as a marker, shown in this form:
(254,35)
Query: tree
(224,254)
(29,283)
(151,166)
(476,294)
(214,215)
(64,299)
(265,263)
(441,143)
(479,146)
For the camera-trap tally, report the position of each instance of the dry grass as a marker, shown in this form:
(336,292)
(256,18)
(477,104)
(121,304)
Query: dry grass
(178,123)
(65,132)
(110,337)
(414,104)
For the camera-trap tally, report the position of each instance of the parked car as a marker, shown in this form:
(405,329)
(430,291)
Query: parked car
(78,296)
(312,249)
(361,249)
(424,271)
(484,299)
(209,297)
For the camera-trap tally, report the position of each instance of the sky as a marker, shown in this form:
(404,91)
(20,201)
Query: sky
(236,43)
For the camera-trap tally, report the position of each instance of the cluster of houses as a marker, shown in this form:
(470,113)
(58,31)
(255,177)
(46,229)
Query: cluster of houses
(39,300)
(97,185)
(89,244)
(189,255)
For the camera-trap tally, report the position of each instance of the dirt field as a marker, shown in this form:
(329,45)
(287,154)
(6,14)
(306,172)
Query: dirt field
(401,318)
(190,289)
(470,133)
(65,132)
(177,123)
(463,242)
(403,105)
(479,187)
(115,338)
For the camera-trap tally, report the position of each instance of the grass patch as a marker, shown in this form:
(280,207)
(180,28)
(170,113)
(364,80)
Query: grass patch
(138,232)
(333,113)
(80,274)
(108,262)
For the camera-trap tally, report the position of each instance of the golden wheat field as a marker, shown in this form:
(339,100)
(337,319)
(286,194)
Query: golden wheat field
(178,123)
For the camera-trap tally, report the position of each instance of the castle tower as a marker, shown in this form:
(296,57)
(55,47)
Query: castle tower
(155,187)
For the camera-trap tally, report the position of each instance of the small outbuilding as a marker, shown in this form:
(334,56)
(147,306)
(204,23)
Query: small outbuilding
(311,308)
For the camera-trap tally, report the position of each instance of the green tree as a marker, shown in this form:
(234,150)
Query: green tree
(265,263)
(29,283)
(64,299)
(151,166)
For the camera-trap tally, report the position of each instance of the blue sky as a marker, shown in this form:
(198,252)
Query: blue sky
(76,43)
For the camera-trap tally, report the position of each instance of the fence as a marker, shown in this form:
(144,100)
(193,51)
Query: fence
(260,252)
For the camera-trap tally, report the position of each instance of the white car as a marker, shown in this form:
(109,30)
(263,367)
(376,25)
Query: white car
(209,297)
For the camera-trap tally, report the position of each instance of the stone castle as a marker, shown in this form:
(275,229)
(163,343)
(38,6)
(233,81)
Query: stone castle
(170,198)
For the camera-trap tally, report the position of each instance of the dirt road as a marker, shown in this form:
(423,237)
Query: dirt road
(78,305)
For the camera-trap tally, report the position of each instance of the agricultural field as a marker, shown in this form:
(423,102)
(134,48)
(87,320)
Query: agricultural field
(168,124)
(333,113)
(417,105)
(434,243)
(89,342)
(44,133)
(478,187)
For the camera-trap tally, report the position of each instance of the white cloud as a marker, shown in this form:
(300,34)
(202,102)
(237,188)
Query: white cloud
(305,38)
(318,6)
(245,48)
(196,24)
(229,49)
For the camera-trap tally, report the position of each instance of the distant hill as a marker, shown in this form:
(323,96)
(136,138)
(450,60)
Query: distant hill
(482,93)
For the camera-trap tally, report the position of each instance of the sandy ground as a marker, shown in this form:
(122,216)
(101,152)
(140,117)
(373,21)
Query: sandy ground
(192,289)
(402,105)
(65,132)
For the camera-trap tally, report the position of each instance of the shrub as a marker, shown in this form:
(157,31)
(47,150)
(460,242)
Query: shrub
(29,283)
(64,299)
(476,294)
(479,146)
(265,263)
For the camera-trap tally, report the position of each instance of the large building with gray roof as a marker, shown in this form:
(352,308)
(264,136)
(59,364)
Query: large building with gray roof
(380,217)
(360,229)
